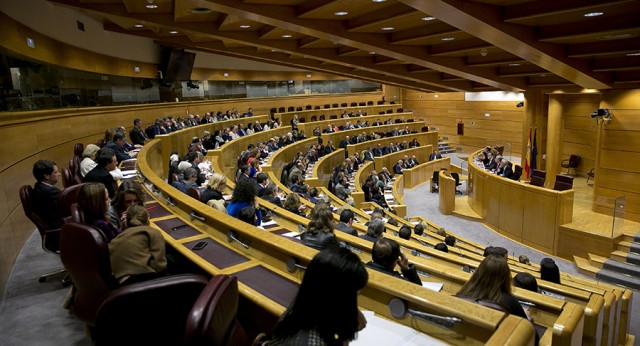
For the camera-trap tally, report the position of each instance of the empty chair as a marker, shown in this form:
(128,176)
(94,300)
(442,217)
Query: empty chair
(410,120)
(335,105)
(424,129)
(572,162)
(78,149)
(308,107)
(291,109)
(301,119)
(362,104)
(517,172)
(456,177)
(67,198)
(563,182)
(213,320)
(389,111)
(85,253)
(101,142)
(322,117)
(50,237)
(380,102)
(327,106)
(273,111)
(399,110)
(381,112)
(74,166)
(281,110)
(354,104)
(314,118)
(343,104)
(298,109)
(316,107)
(333,116)
(538,177)
(369,103)
(151,312)
(398,121)
(591,175)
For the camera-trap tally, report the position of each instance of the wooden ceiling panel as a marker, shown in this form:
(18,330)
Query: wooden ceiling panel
(328,9)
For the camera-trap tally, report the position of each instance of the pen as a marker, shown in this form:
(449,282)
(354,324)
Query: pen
(152,207)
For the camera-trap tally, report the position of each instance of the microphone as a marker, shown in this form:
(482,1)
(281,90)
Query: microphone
(459,251)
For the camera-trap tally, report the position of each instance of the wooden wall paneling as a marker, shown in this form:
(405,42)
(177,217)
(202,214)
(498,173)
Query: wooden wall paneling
(491,202)
(540,215)
(323,169)
(626,161)
(621,140)
(612,179)
(511,212)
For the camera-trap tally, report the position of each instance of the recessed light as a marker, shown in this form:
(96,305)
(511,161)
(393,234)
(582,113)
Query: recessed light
(151,6)
(427,18)
(514,64)
(633,54)
(378,0)
(448,38)
(173,32)
(387,28)
(225,74)
(245,26)
(308,76)
(138,25)
(341,13)
(199,10)
(372,53)
(286,36)
(593,14)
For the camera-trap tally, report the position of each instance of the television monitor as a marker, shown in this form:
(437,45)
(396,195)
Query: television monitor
(177,65)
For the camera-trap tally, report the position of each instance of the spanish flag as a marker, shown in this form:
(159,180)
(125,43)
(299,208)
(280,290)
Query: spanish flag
(527,159)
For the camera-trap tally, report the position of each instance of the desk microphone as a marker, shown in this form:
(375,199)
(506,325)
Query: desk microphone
(459,251)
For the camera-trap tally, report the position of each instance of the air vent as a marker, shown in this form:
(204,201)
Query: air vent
(80,25)
(200,10)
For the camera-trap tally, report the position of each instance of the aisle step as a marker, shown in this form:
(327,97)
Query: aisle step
(584,267)
(628,257)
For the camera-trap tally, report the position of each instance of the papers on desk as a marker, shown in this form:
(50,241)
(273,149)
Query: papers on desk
(290,234)
(434,286)
(269,223)
(128,173)
(381,331)
(226,197)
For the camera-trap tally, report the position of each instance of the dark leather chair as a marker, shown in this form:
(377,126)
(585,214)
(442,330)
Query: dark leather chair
(273,111)
(314,118)
(151,312)
(281,110)
(302,119)
(434,181)
(344,104)
(101,142)
(572,162)
(335,105)
(400,110)
(456,177)
(308,107)
(380,102)
(354,104)
(333,116)
(389,111)
(369,103)
(85,253)
(68,178)
(322,117)
(327,106)
(50,237)
(517,172)
(195,193)
(538,177)
(298,109)
(424,129)
(392,102)
(316,107)
(362,104)
(563,182)
(78,149)
(291,109)
(67,198)
(213,320)
(381,112)
(591,175)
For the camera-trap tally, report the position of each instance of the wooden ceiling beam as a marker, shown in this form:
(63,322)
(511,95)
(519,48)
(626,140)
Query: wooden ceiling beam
(486,23)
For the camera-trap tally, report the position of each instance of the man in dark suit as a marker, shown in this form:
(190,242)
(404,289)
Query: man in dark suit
(346,220)
(107,162)
(118,147)
(435,155)
(397,168)
(136,134)
(368,155)
(378,150)
(386,255)
(45,194)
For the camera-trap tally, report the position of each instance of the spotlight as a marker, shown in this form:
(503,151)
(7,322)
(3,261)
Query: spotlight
(520,104)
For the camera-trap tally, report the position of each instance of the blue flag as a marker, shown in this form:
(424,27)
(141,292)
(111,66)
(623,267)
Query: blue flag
(534,151)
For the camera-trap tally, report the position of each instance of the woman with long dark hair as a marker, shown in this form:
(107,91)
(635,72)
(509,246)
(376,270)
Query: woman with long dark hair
(93,201)
(325,311)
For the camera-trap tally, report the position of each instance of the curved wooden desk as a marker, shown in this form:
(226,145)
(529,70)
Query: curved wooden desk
(525,213)
(286,117)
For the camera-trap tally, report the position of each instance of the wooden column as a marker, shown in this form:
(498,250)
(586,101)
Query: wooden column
(554,138)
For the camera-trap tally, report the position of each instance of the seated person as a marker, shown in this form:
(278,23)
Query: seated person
(106,162)
(526,281)
(435,155)
(129,193)
(398,167)
(386,255)
(450,240)
(271,195)
(346,220)
(549,270)
(418,229)
(524,259)
(292,204)
(215,188)
(93,202)
(45,194)
(314,195)
(138,253)
(441,247)
(342,190)
(374,230)
(248,215)
(88,159)
(405,232)
(244,195)
(189,180)
(496,250)
(319,234)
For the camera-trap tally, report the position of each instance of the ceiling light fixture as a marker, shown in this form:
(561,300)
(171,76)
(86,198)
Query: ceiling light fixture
(286,36)
(245,26)
(484,52)
(448,38)
(341,13)
(138,26)
(378,0)
(226,75)
(372,53)
(633,54)
(173,32)
(387,28)
(514,64)
(308,76)
(593,14)
(150,4)
(426,19)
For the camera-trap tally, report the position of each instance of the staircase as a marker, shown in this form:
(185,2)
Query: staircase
(444,147)
(621,268)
